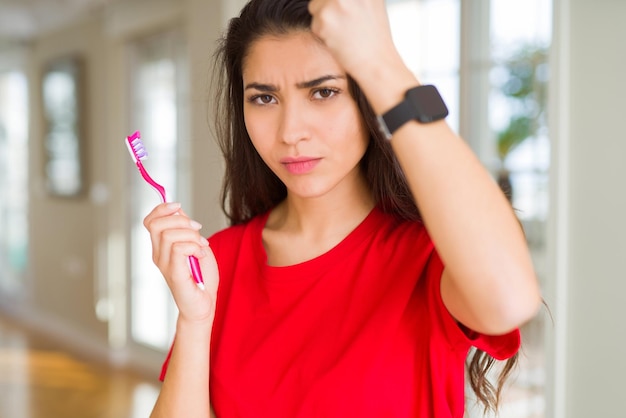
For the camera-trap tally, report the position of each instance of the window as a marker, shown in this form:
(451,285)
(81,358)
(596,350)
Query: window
(520,39)
(13,180)
(427,35)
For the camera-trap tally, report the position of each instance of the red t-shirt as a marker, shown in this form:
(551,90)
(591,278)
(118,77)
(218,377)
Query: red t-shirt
(360,331)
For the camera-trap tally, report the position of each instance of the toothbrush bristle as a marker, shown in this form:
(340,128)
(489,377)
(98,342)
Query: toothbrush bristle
(140,150)
(136,147)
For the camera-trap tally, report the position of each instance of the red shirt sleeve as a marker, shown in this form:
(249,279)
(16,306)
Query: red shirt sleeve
(500,347)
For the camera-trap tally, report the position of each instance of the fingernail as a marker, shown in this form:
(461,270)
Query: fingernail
(204,242)
(195,225)
(173,205)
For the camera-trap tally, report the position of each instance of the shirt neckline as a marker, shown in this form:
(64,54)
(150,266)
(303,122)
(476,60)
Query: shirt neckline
(317,265)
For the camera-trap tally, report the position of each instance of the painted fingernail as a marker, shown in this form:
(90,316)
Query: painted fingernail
(195,225)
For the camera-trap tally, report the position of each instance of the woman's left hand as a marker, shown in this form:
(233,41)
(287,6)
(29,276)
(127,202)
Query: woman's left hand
(356,31)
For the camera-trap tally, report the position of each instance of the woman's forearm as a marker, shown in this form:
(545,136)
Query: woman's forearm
(185,390)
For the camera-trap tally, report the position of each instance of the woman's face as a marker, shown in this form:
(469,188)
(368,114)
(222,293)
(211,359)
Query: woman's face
(301,116)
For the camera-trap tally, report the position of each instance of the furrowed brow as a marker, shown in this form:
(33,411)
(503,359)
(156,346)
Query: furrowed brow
(270,88)
(316,82)
(267,88)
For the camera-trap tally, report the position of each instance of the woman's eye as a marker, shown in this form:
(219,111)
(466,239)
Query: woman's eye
(262,99)
(325,93)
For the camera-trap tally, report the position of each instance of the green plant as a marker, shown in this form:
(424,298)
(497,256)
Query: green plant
(525,87)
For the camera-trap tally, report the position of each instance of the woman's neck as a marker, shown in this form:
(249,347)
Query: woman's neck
(299,229)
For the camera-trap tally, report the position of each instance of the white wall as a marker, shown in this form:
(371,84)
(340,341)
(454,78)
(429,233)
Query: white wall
(588,228)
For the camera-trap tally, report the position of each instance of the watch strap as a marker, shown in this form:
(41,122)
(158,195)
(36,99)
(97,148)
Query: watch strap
(398,116)
(422,103)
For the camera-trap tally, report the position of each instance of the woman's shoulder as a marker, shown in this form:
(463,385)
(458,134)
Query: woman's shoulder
(392,225)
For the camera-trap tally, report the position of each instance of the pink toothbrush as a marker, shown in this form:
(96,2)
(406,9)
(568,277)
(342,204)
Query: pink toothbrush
(138,153)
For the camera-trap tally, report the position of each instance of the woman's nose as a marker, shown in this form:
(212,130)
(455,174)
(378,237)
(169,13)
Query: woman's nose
(293,124)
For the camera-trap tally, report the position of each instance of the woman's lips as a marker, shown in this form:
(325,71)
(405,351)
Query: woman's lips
(301,165)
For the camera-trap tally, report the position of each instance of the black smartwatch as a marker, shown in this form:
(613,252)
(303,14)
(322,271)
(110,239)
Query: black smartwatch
(421,103)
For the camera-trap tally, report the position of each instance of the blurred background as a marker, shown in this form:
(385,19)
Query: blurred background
(535,86)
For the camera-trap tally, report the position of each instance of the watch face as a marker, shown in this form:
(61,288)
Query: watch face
(422,103)
(428,104)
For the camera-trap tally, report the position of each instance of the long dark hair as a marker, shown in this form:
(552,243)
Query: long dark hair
(251,188)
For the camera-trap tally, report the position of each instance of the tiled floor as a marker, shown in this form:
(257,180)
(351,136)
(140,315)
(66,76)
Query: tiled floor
(38,380)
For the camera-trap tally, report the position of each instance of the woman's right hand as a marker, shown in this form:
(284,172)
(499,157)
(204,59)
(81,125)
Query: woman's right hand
(175,237)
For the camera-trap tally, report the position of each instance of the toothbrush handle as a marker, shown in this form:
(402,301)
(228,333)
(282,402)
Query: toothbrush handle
(156,186)
(194,265)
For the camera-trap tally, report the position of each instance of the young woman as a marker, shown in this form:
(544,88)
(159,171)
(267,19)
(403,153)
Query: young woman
(331,295)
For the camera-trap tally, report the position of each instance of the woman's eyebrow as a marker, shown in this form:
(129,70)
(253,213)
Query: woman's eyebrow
(316,82)
(270,88)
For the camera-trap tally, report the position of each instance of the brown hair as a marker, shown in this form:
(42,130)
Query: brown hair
(251,188)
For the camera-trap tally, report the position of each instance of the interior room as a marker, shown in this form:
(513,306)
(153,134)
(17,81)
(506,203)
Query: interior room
(535,87)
